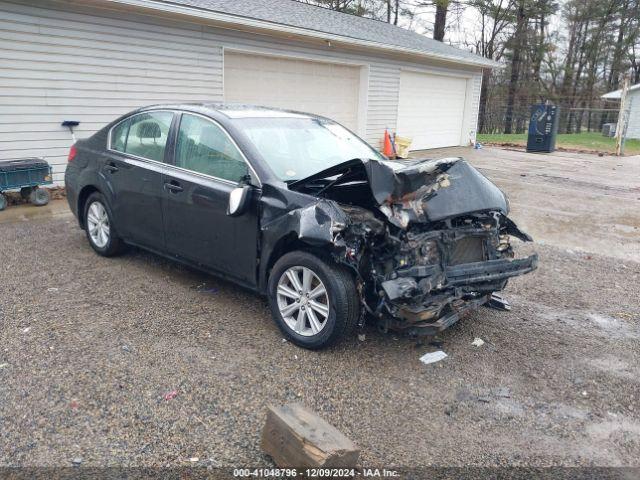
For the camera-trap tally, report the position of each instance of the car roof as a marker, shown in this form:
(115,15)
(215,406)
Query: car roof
(234,110)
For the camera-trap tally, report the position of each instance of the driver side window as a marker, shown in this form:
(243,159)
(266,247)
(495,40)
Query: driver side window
(203,147)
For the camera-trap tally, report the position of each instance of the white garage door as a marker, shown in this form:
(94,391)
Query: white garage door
(431,109)
(325,89)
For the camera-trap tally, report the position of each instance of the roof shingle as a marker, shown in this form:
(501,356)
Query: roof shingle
(322,20)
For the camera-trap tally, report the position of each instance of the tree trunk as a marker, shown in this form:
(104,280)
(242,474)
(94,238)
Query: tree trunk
(482,109)
(397,10)
(441,19)
(515,67)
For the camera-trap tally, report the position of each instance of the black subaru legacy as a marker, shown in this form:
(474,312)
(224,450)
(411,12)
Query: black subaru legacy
(298,208)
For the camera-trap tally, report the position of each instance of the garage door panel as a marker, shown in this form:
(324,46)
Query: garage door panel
(326,89)
(431,109)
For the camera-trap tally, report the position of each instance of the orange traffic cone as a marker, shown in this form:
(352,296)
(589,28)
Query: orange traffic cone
(387,149)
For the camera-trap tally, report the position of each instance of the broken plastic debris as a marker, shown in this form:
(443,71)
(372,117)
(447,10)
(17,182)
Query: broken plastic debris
(362,337)
(433,357)
(171,395)
(3,365)
(194,459)
(52,289)
(26,330)
(477,342)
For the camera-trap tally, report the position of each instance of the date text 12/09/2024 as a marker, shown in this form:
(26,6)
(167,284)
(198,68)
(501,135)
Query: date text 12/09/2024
(314,473)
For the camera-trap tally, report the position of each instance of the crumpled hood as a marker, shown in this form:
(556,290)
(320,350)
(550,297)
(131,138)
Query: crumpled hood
(421,190)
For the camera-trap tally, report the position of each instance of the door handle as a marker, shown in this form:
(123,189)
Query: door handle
(173,187)
(111,168)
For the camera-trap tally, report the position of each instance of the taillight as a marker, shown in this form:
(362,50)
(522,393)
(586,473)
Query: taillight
(73,151)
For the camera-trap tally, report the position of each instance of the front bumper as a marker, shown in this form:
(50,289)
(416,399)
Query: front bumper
(489,271)
(461,289)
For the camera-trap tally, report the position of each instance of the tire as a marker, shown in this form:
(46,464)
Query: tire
(39,197)
(341,296)
(3,202)
(113,244)
(25,192)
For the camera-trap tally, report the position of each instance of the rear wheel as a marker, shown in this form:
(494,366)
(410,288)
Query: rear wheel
(313,300)
(101,233)
(39,197)
(3,202)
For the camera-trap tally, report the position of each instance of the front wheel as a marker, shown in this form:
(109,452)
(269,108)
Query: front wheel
(101,233)
(313,301)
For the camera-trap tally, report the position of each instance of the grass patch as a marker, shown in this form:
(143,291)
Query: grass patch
(590,141)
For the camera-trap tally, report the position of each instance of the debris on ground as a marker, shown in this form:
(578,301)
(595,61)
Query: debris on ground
(296,437)
(498,302)
(52,289)
(170,395)
(477,342)
(26,330)
(433,357)
(362,337)
(3,365)
(77,461)
(194,459)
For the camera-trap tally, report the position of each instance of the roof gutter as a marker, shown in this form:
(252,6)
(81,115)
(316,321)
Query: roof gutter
(229,19)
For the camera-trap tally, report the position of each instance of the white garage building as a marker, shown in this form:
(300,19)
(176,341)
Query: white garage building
(94,60)
(632,107)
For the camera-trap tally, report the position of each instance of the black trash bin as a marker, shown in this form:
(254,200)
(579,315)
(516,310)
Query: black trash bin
(543,128)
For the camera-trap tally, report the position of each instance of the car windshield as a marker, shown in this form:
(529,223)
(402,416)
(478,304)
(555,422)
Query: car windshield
(298,147)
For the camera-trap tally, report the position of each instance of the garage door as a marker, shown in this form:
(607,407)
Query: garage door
(325,89)
(431,109)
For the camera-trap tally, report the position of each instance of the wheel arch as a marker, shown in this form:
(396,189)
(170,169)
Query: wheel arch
(287,243)
(82,201)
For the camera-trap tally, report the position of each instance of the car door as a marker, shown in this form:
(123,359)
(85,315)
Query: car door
(207,165)
(133,172)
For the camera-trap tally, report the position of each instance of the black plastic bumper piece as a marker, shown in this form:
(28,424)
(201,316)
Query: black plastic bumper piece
(489,271)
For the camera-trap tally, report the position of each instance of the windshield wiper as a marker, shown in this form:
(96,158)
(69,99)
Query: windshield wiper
(333,182)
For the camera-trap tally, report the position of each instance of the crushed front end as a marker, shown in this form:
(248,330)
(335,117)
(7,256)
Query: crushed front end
(428,240)
(423,279)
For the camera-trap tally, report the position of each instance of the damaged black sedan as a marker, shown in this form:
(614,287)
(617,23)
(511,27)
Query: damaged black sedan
(299,208)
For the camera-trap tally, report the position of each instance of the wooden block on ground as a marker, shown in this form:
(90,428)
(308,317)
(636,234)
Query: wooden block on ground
(296,437)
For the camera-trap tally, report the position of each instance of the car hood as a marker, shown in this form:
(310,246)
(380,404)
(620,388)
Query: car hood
(416,191)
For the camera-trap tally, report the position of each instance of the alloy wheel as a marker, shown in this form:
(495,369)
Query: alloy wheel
(303,301)
(98,224)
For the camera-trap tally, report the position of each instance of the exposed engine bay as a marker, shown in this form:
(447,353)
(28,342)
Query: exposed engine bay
(428,240)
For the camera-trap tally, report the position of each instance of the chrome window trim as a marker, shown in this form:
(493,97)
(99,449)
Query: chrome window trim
(224,130)
(198,174)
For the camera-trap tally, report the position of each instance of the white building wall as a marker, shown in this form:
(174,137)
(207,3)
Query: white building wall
(64,61)
(633,127)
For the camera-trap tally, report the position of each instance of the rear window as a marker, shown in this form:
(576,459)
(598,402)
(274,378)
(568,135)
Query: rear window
(144,135)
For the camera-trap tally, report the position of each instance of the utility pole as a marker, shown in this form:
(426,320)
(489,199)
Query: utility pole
(622,117)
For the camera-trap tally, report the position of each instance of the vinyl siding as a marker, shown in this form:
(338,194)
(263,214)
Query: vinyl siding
(62,61)
(633,127)
(59,65)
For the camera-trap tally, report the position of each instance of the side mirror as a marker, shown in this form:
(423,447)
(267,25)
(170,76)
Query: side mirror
(238,200)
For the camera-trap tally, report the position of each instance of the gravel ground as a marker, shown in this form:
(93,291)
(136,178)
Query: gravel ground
(90,348)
